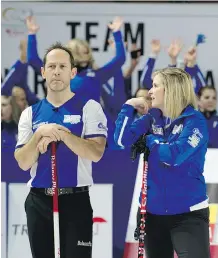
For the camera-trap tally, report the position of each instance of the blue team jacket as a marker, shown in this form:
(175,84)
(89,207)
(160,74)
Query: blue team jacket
(212,124)
(176,160)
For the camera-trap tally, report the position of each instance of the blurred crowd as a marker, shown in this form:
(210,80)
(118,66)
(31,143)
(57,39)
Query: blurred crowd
(92,81)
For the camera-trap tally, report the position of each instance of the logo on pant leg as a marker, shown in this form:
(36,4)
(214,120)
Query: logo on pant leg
(81,243)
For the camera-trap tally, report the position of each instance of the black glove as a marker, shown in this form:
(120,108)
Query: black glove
(138,147)
(136,233)
(136,53)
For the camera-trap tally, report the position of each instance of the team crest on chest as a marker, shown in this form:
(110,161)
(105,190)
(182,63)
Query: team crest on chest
(72,119)
(157,130)
(177,129)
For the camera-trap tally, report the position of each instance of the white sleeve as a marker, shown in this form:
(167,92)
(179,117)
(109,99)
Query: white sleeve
(25,127)
(95,121)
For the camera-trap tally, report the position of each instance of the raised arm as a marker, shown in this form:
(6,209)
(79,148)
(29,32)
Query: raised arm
(193,69)
(146,77)
(113,92)
(173,51)
(14,77)
(32,53)
(135,58)
(109,70)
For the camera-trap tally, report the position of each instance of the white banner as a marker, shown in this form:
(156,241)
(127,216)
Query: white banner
(101,196)
(3,221)
(101,199)
(210,166)
(142,22)
(18,243)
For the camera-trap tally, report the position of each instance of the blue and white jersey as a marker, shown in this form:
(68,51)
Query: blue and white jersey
(85,119)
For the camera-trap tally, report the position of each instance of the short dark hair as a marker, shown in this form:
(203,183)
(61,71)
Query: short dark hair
(58,45)
(207,87)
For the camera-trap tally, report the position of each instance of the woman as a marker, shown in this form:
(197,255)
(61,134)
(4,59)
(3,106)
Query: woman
(207,104)
(10,114)
(177,204)
(19,97)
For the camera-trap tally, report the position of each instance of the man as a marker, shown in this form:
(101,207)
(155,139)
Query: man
(79,128)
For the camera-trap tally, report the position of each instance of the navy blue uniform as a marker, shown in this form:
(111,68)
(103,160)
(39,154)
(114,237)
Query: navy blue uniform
(212,124)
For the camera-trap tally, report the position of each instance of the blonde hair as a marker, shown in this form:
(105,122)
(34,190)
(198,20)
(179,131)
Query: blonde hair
(179,91)
(16,111)
(74,46)
(17,91)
